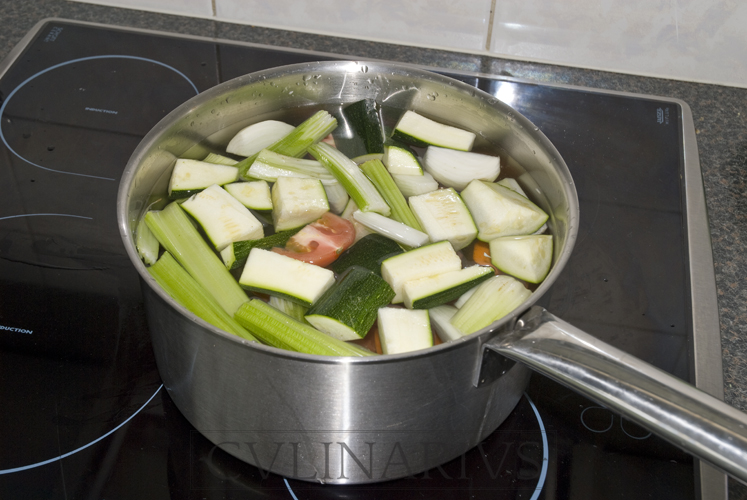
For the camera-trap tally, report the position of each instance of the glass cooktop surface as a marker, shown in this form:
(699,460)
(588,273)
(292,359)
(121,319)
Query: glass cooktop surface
(84,412)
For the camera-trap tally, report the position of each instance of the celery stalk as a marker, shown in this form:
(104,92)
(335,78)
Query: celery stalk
(279,330)
(188,292)
(382,180)
(173,229)
(295,144)
(352,178)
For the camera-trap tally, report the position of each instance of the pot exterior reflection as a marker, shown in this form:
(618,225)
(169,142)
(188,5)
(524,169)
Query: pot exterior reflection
(337,420)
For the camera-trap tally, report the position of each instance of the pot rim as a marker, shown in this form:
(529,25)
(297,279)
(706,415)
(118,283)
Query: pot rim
(481,336)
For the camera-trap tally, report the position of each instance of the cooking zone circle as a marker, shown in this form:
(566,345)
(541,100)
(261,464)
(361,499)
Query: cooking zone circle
(98,93)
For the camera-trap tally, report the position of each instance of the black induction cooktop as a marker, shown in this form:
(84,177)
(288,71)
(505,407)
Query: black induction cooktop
(84,413)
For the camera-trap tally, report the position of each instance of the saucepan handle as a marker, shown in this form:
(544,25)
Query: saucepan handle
(676,411)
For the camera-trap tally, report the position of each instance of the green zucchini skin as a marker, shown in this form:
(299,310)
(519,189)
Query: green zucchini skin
(368,253)
(354,300)
(363,117)
(449,294)
(239,250)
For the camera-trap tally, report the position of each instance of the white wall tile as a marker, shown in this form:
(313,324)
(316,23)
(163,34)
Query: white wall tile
(700,40)
(197,8)
(455,24)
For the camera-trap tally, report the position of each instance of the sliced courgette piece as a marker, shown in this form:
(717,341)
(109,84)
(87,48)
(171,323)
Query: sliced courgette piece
(499,211)
(525,257)
(274,274)
(433,291)
(297,201)
(223,218)
(443,216)
(404,330)
(363,118)
(347,311)
(428,260)
(192,176)
(254,195)
(512,184)
(420,131)
(369,252)
(236,253)
(400,160)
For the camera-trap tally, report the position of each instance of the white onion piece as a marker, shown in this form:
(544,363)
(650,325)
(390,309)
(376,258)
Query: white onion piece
(401,233)
(456,169)
(414,185)
(254,138)
(440,317)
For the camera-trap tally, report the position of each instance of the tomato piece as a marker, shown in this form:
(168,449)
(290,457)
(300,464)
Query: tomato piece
(320,242)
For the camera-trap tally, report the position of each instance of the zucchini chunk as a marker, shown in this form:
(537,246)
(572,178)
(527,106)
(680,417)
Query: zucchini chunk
(404,330)
(499,211)
(492,300)
(223,218)
(296,201)
(429,260)
(236,253)
(192,176)
(254,195)
(363,118)
(458,168)
(433,291)
(274,274)
(420,131)
(444,216)
(347,311)
(401,161)
(368,253)
(525,257)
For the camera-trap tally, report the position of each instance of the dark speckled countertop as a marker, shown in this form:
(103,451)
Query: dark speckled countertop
(720,115)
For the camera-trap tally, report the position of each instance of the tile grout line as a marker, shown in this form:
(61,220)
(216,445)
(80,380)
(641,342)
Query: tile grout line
(490,25)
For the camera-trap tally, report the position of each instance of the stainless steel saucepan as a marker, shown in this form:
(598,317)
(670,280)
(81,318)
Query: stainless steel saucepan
(340,420)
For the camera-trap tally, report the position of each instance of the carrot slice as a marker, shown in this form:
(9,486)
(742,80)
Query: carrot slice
(481,253)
